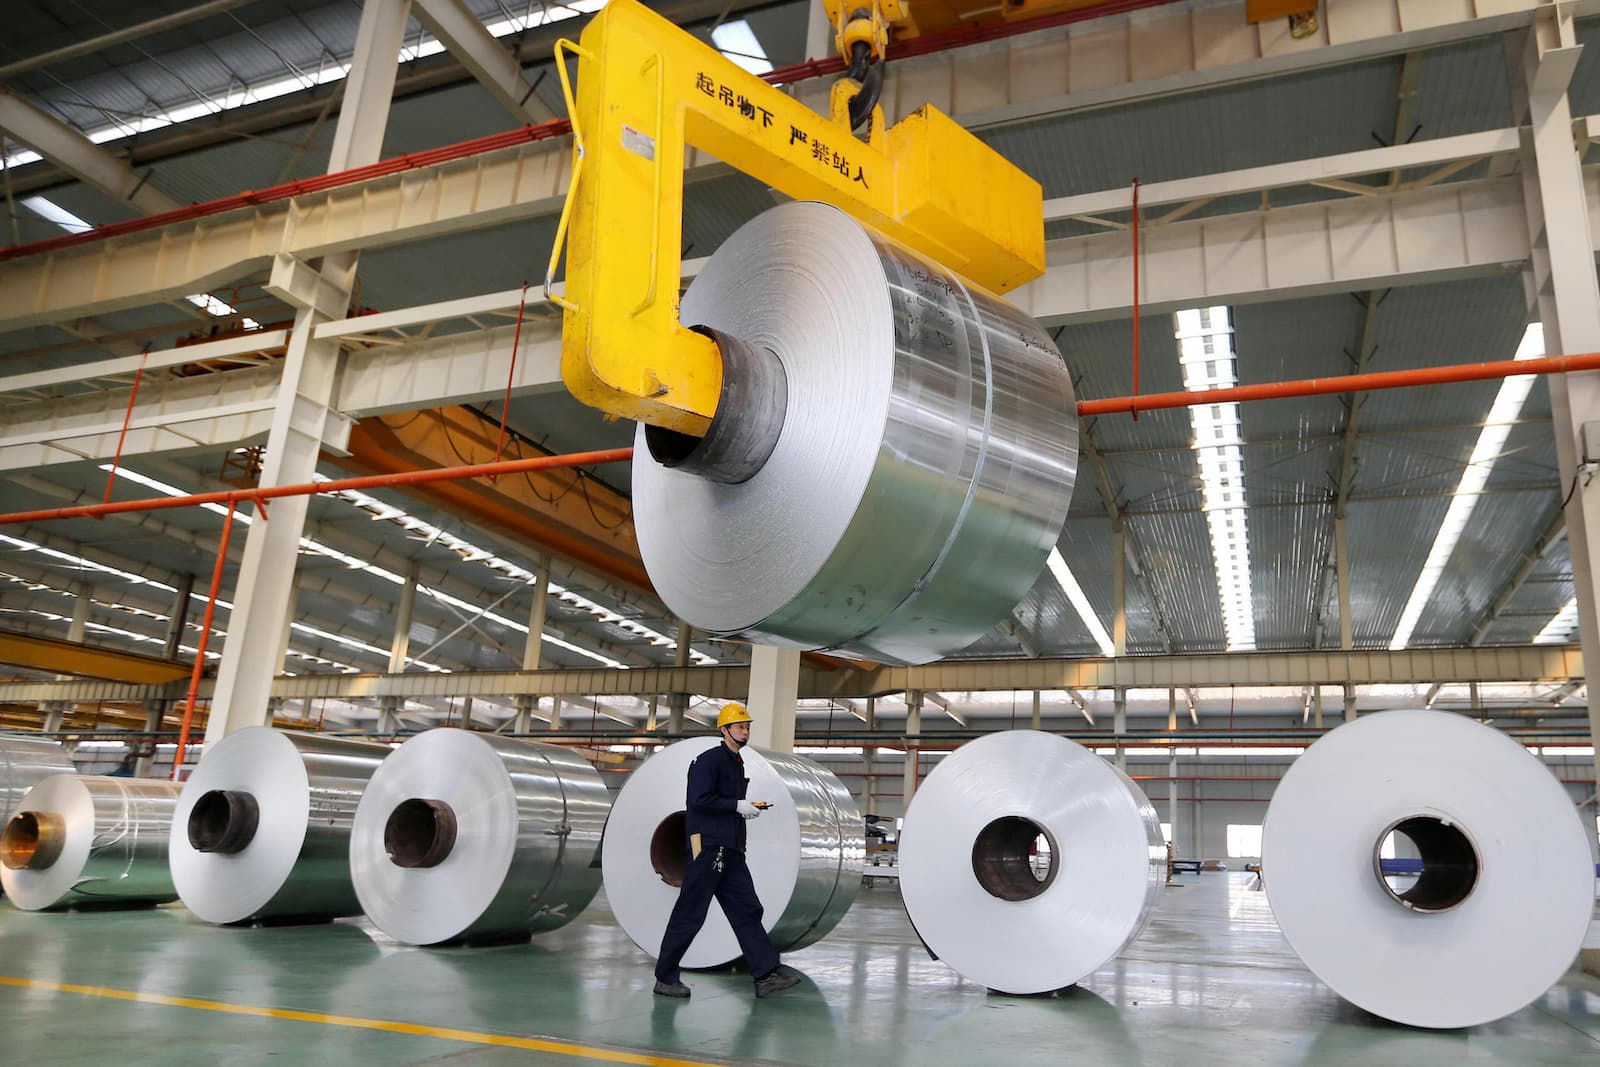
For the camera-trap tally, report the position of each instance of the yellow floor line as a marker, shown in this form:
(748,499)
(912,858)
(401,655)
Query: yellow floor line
(474,1037)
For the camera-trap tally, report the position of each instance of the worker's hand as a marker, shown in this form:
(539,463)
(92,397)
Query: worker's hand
(748,810)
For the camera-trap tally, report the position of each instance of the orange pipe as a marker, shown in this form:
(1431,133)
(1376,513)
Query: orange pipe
(1349,383)
(133,397)
(205,638)
(374,481)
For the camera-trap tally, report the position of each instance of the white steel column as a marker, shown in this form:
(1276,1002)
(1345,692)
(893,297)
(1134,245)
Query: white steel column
(555,713)
(774,688)
(178,617)
(288,629)
(532,650)
(679,702)
(869,788)
(1119,724)
(401,643)
(310,374)
(1172,799)
(1037,720)
(154,712)
(913,727)
(1568,304)
(56,712)
(1341,557)
(1349,703)
(819,32)
(1119,592)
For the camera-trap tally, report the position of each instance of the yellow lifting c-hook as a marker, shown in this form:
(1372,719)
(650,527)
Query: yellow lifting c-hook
(647,91)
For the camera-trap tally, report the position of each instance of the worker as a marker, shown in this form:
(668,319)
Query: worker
(717,811)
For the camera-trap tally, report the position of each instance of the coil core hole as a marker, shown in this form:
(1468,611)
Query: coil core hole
(420,833)
(747,423)
(1014,858)
(1434,866)
(224,821)
(669,849)
(32,841)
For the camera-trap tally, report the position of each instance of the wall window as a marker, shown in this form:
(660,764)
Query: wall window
(1244,840)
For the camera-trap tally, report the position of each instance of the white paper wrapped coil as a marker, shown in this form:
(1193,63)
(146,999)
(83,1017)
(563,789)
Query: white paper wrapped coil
(1027,862)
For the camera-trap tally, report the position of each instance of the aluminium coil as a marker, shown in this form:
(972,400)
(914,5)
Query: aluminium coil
(89,841)
(922,450)
(466,837)
(263,827)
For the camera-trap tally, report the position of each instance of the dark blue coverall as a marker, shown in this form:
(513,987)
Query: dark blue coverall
(716,785)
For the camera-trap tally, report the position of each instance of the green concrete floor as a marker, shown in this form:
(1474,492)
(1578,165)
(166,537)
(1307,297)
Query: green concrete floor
(1211,981)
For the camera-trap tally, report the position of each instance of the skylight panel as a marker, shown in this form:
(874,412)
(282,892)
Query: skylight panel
(1503,413)
(236,96)
(738,42)
(1080,603)
(1560,629)
(1206,356)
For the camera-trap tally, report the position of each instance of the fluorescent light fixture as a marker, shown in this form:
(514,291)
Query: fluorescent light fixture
(237,96)
(1069,585)
(1206,354)
(738,42)
(1491,440)
(1559,630)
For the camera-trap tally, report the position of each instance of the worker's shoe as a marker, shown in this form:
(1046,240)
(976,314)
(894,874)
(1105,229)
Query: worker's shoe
(672,989)
(776,981)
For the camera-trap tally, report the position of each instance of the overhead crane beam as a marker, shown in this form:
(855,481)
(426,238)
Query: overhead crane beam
(589,527)
(76,658)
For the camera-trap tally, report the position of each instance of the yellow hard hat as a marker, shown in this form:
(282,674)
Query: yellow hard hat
(732,713)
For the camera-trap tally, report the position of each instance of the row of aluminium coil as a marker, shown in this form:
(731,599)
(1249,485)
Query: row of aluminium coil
(1027,861)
